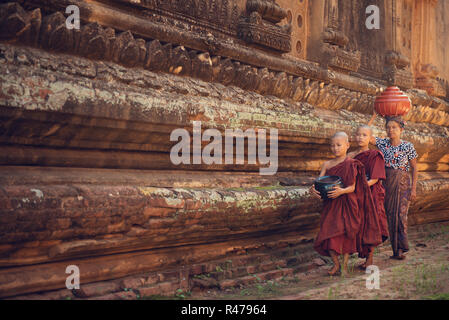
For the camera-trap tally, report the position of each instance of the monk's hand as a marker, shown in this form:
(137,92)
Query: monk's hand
(413,195)
(314,192)
(335,193)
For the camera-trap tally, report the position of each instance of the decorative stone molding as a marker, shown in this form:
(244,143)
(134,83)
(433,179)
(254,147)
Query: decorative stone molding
(396,70)
(335,55)
(19,25)
(335,37)
(103,43)
(259,26)
(427,80)
(337,58)
(110,17)
(217,15)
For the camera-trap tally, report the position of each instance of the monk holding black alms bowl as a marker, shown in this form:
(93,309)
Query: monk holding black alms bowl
(340,216)
(326,184)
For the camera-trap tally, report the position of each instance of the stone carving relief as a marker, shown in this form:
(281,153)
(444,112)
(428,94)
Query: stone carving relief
(397,62)
(396,70)
(370,43)
(335,52)
(218,15)
(260,25)
(427,79)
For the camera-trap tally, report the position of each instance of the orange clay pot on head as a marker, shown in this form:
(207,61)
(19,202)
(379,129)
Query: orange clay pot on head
(392,102)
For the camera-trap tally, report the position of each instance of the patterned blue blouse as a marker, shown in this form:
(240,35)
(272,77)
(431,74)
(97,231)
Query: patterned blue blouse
(397,157)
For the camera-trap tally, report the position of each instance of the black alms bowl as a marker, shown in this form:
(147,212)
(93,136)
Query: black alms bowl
(325,184)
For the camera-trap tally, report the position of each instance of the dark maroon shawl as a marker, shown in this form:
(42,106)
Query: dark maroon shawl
(374,163)
(374,228)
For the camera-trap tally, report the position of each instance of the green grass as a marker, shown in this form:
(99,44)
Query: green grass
(422,279)
(267,289)
(352,263)
(181,294)
(202,276)
(333,293)
(257,277)
(438,296)
(425,280)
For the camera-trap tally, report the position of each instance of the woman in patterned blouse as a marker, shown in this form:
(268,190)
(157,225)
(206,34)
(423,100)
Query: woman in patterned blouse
(400,157)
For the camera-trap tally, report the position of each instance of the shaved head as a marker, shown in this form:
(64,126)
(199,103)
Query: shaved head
(341,134)
(367,127)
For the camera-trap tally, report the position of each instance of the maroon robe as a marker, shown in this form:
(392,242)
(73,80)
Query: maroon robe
(374,222)
(374,163)
(340,217)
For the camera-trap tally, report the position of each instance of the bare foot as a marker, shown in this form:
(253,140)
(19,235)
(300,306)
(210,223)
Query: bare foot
(345,264)
(334,271)
(344,271)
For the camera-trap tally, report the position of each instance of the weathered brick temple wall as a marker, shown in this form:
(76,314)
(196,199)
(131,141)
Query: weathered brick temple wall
(86,116)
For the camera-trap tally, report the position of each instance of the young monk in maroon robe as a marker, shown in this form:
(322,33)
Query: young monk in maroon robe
(340,217)
(374,163)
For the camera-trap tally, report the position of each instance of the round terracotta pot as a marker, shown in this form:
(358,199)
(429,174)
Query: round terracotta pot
(392,102)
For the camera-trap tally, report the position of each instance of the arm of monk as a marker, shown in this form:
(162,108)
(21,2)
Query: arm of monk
(340,191)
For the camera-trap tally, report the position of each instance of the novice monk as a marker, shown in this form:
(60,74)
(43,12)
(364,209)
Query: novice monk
(340,217)
(372,224)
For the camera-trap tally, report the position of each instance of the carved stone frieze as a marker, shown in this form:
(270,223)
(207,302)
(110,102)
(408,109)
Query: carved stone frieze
(398,77)
(260,25)
(335,37)
(217,15)
(335,54)
(426,79)
(19,25)
(97,42)
(340,59)
(396,70)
